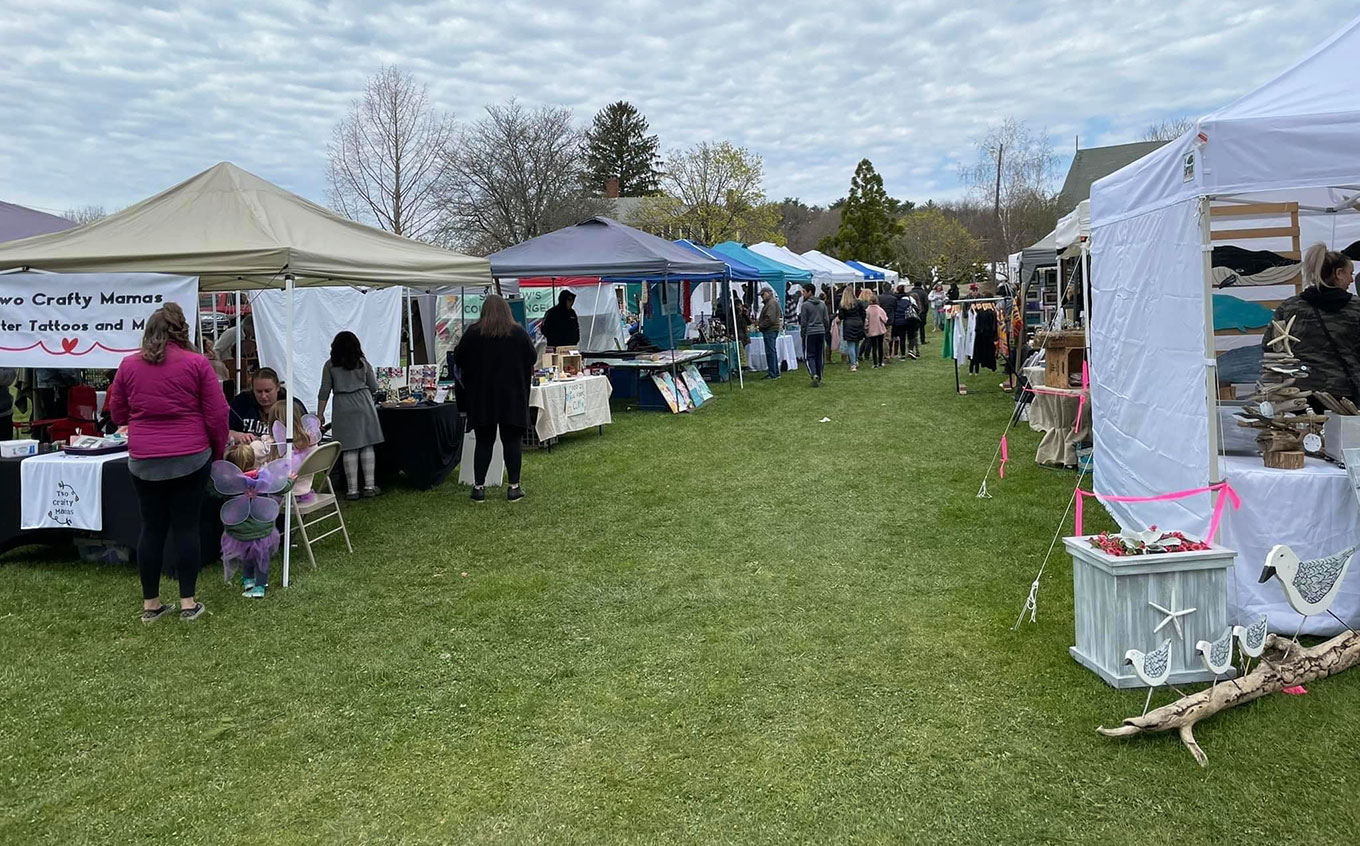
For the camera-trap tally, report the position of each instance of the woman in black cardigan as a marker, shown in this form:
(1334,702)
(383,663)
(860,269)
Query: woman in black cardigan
(496,359)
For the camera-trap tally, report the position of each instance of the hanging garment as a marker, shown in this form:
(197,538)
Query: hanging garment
(1249,262)
(947,347)
(984,340)
(961,338)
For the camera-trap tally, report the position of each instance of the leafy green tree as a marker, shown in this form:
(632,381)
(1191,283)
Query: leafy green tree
(867,223)
(711,193)
(933,246)
(618,147)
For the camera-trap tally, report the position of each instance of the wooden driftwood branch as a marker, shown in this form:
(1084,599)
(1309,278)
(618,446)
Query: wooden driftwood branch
(1274,673)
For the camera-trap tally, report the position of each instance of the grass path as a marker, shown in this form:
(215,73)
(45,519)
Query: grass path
(733,626)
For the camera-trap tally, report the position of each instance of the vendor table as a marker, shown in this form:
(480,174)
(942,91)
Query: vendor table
(632,379)
(788,353)
(1313,510)
(1055,416)
(122,520)
(570,406)
(422,442)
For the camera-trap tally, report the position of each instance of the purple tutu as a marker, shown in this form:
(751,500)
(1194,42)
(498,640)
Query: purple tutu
(257,553)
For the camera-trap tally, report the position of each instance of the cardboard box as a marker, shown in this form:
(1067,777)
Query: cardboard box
(1339,433)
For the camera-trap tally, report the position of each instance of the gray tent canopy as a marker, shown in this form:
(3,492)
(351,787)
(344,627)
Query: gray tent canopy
(601,247)
(236,231)
(19,222)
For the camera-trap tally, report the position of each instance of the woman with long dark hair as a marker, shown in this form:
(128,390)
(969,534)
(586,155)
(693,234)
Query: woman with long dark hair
(354,420)
(170,400)
(496,359)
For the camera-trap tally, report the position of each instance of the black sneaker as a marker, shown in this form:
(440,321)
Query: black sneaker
(352,496)
(514,493)
(191,614)
(372,492)
(151,615)
(478,494)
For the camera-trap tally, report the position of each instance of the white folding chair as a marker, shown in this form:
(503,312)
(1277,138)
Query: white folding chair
(325,505)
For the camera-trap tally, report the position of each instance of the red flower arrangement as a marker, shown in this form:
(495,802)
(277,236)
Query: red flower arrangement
(1151,542)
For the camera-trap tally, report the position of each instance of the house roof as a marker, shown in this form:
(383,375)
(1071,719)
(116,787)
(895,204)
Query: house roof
(1094,163)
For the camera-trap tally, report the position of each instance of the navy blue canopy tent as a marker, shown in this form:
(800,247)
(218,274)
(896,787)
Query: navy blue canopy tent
(604,248)
(19,222)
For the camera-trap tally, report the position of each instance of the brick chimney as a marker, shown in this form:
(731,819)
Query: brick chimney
(611,188)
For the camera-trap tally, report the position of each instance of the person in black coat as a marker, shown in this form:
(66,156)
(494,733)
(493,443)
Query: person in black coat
(496,360)
(560,327)
(888,302)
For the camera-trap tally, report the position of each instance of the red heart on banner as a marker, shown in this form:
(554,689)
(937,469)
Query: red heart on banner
(69,344)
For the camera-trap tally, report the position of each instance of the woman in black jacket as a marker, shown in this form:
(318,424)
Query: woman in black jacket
(852,326)
(496,359)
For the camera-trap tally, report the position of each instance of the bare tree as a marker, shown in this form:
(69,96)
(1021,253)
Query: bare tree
(387,157)
(712,192)
(515,174)
(1170,129)
(1014,174)
(85,214)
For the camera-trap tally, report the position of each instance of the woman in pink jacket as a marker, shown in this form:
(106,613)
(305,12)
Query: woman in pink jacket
(876,326)
(170,400)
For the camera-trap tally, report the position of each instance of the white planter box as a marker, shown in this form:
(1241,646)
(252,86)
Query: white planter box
(1111,603)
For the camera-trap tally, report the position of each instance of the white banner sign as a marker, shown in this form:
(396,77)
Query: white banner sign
(84,319)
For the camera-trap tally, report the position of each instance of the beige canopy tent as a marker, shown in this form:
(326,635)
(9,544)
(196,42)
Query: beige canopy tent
(234,231)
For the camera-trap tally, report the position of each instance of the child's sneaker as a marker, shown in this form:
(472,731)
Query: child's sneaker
(255,592)
(247,584)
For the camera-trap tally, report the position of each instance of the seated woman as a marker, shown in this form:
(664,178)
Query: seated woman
(306,436)
(1325,335)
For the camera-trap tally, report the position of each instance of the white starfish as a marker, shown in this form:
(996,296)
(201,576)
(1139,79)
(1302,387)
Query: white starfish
(1173,617)
(1280,335)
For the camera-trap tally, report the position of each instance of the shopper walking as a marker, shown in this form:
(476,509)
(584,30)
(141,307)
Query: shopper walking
(495,360)
(918,293)
(816,326)
(770,322)
(937,298)
(354,419)
(901,320)
(876,327)
(851,315)
(169,398)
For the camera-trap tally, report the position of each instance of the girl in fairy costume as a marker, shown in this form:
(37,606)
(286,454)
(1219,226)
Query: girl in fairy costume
(249,534)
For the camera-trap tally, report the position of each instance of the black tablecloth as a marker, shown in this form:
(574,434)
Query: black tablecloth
(122,518)
(422,442)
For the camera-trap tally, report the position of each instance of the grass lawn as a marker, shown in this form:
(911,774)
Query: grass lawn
(733,626)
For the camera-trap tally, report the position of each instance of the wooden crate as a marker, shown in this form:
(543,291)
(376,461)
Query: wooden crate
(1064,354)
(1112,613)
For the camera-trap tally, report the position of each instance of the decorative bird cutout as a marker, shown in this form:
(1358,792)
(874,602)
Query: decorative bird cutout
(1310,586)
(1280,335)
(1217,655)
(1251,640)
(1154,667)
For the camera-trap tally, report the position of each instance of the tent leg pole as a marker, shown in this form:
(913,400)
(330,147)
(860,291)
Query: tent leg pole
(410,332)
(240,329)
(1210,360)
(288,451)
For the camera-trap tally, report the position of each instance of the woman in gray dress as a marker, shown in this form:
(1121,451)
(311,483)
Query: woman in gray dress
(354,420)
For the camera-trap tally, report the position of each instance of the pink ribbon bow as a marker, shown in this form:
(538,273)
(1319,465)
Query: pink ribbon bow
(1226,494)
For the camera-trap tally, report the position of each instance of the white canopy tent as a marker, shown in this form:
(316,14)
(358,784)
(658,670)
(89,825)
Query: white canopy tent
(1154,384)
(234,231)
(841,273)
(820,275)
(1073,230)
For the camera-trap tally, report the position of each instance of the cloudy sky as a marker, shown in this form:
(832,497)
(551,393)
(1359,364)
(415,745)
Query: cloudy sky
(105,102)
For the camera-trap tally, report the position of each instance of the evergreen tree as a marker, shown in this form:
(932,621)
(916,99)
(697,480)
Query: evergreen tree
(618,147)
(867,224)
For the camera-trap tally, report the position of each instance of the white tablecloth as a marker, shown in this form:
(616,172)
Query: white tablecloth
(1313,510)
(571,406)
(788,353)
(60,491)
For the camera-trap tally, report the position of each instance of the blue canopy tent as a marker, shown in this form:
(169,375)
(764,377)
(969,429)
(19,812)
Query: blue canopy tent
(19,222)
(739,271)
(603,248)
(775,274)
(870,274)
